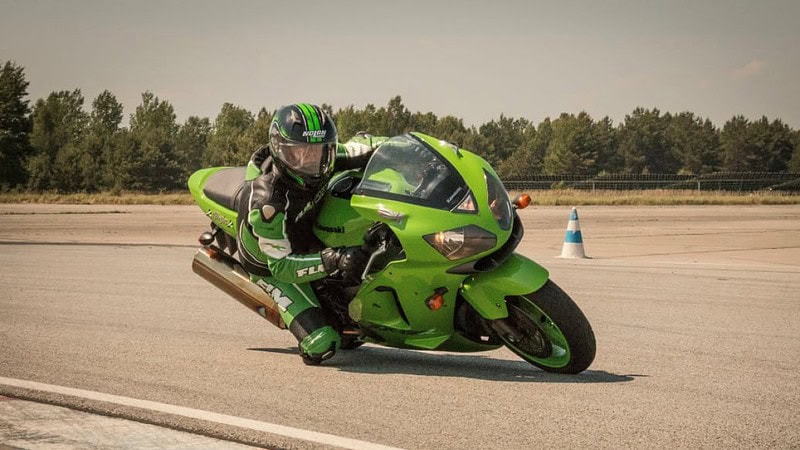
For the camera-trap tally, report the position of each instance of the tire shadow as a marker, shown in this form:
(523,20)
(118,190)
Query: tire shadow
(370,359)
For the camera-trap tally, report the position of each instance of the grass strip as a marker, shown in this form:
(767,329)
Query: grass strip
(555,197)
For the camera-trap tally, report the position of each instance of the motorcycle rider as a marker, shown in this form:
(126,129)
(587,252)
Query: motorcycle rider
(285,180)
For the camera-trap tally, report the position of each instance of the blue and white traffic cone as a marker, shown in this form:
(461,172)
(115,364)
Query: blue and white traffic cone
(573,241)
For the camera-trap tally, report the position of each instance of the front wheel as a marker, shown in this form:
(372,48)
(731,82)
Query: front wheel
(547,329)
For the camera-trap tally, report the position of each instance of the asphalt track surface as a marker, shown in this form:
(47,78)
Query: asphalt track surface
(696,311)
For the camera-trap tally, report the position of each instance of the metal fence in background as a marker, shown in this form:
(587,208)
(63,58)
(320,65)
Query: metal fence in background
(720,181)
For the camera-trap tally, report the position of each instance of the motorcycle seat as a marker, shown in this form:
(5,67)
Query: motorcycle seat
(225,186)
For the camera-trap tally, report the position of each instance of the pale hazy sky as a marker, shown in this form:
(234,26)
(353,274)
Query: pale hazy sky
(471,59)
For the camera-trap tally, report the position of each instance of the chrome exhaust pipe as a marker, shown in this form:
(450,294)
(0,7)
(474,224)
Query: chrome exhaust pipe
(224,272)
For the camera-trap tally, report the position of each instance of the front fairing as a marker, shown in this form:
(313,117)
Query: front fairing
(419,186)
(413,204)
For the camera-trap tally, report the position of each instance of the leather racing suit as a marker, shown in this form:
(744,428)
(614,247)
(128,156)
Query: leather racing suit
(278,248)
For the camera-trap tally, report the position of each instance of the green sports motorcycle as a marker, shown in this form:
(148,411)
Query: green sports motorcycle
(443,275)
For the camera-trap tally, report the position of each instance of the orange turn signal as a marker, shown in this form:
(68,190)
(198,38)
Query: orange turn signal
(436,301)
(522,201)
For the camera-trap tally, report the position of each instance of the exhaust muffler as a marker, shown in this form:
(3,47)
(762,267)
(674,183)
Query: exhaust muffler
(227,274)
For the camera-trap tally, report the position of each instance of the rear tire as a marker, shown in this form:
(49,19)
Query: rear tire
(553,333)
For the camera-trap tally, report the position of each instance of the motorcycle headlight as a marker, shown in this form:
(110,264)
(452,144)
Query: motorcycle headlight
(461,242)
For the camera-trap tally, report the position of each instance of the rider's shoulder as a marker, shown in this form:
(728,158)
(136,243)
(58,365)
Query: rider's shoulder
(265,190)
(260,155)
(259,163)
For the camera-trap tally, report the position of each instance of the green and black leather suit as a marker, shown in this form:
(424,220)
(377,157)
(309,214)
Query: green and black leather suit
(280,251)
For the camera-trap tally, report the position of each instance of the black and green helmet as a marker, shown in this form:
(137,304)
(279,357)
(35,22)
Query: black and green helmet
(302,141)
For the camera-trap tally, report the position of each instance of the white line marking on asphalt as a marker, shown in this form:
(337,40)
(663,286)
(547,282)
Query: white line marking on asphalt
(280,430)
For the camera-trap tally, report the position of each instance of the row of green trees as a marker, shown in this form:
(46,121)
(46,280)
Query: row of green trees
(58,145)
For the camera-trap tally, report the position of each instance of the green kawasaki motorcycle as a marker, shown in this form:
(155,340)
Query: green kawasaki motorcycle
(442,275)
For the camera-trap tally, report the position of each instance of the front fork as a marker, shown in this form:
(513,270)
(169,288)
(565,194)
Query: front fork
(501,327)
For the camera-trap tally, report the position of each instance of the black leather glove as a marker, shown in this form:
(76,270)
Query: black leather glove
(346,260)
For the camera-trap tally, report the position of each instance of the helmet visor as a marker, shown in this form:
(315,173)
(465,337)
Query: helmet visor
(307,159)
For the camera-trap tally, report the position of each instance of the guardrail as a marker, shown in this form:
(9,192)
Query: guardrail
(719,181)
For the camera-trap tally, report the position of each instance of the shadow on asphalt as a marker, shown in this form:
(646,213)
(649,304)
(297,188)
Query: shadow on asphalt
(284,351)
(379,360)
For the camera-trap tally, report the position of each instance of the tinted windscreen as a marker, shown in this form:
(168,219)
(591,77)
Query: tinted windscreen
(405,169)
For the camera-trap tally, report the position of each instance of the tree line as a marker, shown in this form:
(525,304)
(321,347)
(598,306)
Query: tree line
(57,144)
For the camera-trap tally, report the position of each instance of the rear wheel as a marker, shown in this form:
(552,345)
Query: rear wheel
(547,329)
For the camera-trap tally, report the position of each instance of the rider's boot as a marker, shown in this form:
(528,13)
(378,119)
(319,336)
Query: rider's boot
(320,345)
(317,340)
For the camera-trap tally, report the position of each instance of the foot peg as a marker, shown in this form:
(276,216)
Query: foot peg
(208,237)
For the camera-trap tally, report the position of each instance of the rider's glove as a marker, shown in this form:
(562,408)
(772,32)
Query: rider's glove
(361,144)
(355,149)
(344,260)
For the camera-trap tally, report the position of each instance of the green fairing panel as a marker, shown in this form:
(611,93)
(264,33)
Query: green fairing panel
(221,216)
(338,224)
(517,276)
(377,306)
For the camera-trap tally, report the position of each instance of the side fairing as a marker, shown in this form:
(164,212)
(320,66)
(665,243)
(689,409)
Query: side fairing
(337,223)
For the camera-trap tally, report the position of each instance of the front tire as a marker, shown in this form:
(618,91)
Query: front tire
(547,329)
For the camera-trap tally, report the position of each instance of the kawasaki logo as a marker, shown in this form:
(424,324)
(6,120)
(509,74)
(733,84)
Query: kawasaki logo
(327,229)
(219,219)
(315,133)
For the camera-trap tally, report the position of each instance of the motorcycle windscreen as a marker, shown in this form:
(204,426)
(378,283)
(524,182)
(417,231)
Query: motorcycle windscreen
(405,169)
